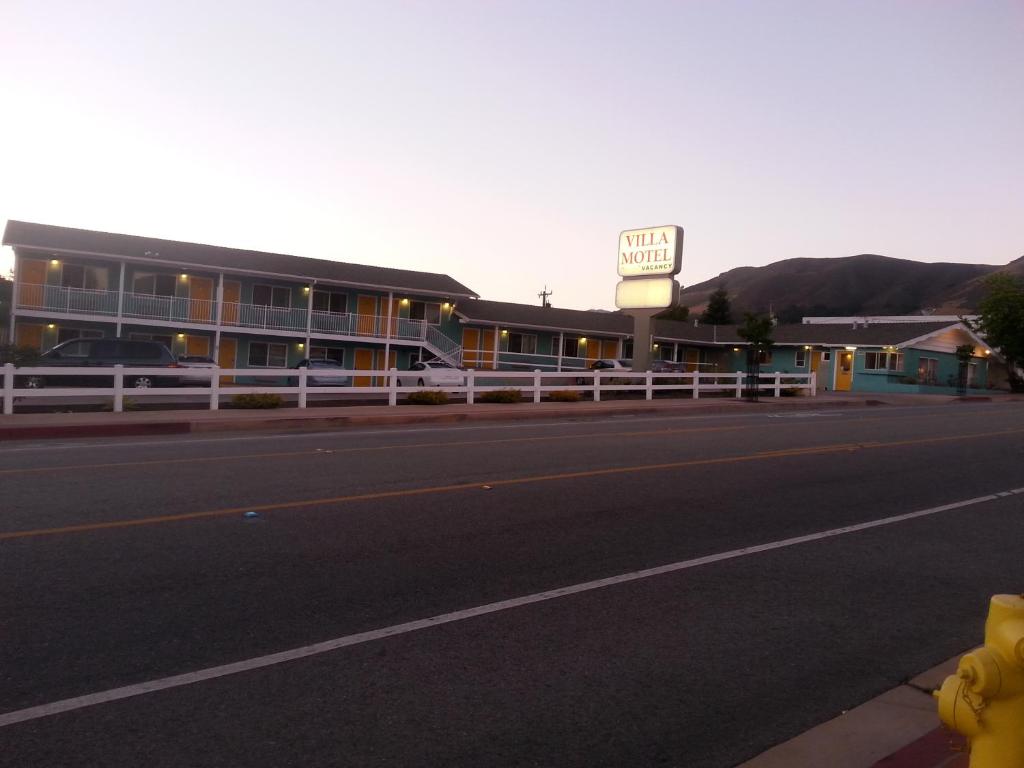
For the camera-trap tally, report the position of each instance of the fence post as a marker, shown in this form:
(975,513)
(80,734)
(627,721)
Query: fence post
(597,386)
(778,384)
(118,388)
(8,389)
(470,382)
(303,372)
(393,387)
(696,385)
(739,385)
(649,385)
(214,388)
(814,384)
(536,385)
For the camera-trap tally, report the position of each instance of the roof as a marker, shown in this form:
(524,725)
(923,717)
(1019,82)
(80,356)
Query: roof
(537,317)
(52,239)
(534,317)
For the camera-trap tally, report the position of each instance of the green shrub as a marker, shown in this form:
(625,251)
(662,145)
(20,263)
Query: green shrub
(266,400)
(564,396)
(428,397)
(501,396)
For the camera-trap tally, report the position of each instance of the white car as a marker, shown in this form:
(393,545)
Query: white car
(195,361)
(432,373)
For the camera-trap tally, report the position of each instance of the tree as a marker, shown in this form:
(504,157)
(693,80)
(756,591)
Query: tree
(757,332)
(679,314)
(1002,322)
(718,310)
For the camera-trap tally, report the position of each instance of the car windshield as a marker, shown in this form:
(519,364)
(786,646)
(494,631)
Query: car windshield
(437,364)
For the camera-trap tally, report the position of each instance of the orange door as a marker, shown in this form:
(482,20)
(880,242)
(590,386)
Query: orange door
(609,349)
(395,303)
(364,362)
(470,347)
(232,296)
(29,336)
(592,349)
(197,345)
(815,363)
(487,349)
(693,360)
(31,279)
(366,316)
(200,294)
(844,371)
(379,381)
(226,357)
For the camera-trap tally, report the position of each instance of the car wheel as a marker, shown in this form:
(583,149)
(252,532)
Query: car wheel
(419,382)
(142,382)
(35,382)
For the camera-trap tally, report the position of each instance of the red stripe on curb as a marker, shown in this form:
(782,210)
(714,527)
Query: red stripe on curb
(939,749)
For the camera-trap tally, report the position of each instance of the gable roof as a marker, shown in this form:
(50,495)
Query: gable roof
(539,318)
(52,239)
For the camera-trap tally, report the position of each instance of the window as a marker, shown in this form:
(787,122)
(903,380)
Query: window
(801,358)
(76,349)
(67,334)
(927,370)
(826,355)
(153,285)
(570,348)
(523,343)
(423,310)
(764,357)
(271,296)
(167,341)
(264,355)
(883,361)
(335,303)
(80,276)
(327,353)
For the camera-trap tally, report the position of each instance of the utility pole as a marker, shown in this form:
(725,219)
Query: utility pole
(543,296)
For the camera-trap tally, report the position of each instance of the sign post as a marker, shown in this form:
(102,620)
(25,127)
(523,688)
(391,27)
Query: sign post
(648,259)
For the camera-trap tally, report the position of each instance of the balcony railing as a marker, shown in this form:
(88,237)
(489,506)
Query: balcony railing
(185,310)
(84,301)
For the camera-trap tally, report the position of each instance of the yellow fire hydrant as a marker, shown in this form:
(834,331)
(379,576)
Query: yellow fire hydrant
(984,700)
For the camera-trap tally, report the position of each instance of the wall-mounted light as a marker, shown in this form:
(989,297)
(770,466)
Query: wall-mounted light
(735,349)
(181,335)
(51,326)
(583,339)
(988,351)
(807,346)
(404,302)
(54,262)
(305,289)
(504,332)
(184,276)
(447,305)
(655,346)
(851,349)
(301,345)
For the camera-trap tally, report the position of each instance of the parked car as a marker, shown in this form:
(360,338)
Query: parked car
(432,373)
(667,366)
(195,361)
(322,373)
(103,353)
(607,364)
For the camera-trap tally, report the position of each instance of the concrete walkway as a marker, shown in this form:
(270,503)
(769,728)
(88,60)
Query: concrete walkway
(62,425)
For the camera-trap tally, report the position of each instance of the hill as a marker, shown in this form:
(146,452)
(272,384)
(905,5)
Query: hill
(867,284)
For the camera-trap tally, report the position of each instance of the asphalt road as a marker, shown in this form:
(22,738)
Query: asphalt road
(124,562)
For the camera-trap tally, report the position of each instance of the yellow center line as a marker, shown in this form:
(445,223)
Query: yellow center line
(403,493)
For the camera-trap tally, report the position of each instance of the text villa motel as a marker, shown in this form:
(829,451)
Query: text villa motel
(264,311)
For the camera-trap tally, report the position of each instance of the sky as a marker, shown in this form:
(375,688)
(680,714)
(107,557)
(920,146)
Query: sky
(508,143)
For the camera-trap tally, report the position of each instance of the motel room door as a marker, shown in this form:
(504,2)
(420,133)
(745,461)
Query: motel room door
(366,321)
(232,298)
(200,294)
(470,347)
(364,362)
(844,371)
(226,357)
(31,278)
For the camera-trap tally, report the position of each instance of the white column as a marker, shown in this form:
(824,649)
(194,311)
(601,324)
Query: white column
(675,352)
(120,300)
(309,316)
(497,338)
(219,316)
(387,336)
(561,346)
(14,298)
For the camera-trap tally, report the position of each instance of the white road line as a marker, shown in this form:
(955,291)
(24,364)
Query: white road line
(259,662)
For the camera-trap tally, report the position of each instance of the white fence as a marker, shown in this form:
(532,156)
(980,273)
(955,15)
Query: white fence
(18,384)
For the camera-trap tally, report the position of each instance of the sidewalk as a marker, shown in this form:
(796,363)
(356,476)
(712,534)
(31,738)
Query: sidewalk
(37,426)
(899,729)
